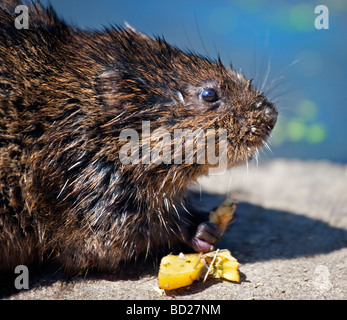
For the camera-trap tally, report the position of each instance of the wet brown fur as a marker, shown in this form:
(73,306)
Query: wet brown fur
(65,96)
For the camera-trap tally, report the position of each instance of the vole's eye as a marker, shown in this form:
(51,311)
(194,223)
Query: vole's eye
(209,95)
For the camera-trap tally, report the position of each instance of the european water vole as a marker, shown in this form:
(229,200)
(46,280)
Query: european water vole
(65,97)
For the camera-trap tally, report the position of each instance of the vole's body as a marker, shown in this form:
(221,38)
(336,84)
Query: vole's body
(65,96)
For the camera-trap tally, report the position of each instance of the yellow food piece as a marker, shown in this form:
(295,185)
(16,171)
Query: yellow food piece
(224,213)
(178,271)
(226,266)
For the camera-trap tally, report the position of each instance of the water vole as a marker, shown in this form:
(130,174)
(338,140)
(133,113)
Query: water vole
(65,97)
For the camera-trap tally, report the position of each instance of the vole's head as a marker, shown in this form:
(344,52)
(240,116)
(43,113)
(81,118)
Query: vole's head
(156,82)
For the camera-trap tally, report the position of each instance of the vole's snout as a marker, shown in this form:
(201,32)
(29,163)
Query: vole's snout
(270,113)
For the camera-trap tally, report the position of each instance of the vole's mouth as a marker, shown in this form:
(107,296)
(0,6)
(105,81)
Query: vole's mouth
(252,138)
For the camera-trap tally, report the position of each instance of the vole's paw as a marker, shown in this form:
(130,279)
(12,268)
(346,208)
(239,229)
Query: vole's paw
(206,236)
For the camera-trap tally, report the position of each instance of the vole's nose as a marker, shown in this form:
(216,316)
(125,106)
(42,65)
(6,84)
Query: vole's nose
(272,117)
(270,113)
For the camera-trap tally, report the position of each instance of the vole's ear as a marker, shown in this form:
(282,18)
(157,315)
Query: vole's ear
(133,30)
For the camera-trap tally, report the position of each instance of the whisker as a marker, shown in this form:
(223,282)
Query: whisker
(267,147)
(229,186)
(266,76)
(277,77)
(256,156)
(247,166)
